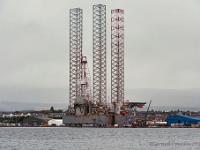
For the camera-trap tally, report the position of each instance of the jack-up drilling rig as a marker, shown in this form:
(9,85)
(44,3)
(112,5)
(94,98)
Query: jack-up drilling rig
(85,108)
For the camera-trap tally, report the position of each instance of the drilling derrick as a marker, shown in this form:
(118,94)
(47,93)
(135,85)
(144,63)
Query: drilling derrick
(99,53)
(75,55)
(117,55)
(85,80)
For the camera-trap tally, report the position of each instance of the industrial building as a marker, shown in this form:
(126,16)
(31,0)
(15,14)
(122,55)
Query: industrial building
(55,122)
(184,120)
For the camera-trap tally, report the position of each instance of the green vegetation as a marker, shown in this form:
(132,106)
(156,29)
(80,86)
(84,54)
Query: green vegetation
(49,111)
(52,109)
(56,117)
(12,119)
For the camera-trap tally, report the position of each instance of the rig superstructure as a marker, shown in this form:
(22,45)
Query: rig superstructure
(87,108)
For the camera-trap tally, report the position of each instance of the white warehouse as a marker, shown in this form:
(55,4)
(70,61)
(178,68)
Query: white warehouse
(55,122)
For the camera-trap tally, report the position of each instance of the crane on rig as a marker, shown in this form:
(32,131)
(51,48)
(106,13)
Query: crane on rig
(145,118)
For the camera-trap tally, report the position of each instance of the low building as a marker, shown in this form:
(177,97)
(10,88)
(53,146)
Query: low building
(182,120)
(55,122)
(35,121)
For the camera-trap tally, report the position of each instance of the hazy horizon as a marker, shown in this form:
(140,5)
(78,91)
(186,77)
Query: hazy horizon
(36,106)
(159,97)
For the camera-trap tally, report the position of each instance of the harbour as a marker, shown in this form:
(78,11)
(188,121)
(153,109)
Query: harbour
(98,138)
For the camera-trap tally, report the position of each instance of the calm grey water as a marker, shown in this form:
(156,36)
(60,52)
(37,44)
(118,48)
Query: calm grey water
(65,138)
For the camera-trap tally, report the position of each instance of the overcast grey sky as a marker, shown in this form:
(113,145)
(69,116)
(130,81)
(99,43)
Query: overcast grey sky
(162,47)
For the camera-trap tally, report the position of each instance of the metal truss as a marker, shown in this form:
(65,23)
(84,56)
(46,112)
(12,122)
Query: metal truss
(99,53)
(76,16)
(85,80)
(117,55)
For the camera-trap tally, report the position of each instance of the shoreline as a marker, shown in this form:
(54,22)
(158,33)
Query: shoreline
(90,127)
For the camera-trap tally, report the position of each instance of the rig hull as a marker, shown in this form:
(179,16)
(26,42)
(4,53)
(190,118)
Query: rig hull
(98,120)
